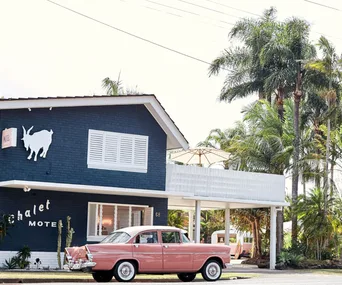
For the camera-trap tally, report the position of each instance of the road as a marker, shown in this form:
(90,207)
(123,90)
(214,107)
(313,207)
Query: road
(275,279)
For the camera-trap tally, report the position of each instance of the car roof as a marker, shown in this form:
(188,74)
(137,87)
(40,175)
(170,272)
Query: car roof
(132,231)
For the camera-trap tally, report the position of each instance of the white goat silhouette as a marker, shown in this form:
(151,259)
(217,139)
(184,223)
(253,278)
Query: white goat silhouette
(37,141)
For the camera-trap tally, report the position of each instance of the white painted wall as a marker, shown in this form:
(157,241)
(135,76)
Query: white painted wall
(47,258)
(209,182)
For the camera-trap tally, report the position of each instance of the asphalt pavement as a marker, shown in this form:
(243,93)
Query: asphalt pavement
(275,279)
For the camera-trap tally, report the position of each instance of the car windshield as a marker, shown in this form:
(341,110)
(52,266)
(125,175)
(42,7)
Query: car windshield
(116,237)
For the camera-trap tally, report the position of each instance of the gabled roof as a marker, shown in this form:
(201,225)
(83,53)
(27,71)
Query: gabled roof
(175,139)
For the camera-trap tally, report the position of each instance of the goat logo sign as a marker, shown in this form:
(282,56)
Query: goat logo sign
(36,142)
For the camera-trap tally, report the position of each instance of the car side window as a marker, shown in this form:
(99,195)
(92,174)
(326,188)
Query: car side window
(170,237)
(147,237)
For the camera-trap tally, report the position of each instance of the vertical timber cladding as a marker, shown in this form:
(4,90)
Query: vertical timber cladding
(36,214)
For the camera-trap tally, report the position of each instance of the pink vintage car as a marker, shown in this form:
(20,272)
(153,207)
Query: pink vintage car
(148,249)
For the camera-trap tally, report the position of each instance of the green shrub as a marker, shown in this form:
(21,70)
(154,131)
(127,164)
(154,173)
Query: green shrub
(289,258)
(11,263)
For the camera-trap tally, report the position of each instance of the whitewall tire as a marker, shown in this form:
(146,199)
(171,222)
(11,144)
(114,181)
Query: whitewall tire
(124,271)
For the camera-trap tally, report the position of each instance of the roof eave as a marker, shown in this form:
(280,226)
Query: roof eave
(175,138)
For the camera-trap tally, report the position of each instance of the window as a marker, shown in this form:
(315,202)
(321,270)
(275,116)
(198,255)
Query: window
(117,151)
(185,238)
(104,218)
(147,237)
(117,237)
(247,239)
(170,237)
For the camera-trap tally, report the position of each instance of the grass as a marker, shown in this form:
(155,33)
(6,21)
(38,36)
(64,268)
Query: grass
(323,271)
(85,276)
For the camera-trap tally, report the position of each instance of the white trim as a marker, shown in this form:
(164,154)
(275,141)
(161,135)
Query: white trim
(175,139)
(117,168)
(100,222)
(79,188)
(130,216)
(119,204)
(96,218)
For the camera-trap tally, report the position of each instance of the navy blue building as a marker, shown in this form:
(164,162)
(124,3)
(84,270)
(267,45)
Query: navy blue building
(100,160)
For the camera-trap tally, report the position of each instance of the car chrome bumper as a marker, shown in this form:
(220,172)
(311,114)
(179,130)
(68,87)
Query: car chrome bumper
(71,265)
(228,265)
(79,266)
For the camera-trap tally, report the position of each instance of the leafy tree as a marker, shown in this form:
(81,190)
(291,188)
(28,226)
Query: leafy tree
(177,218)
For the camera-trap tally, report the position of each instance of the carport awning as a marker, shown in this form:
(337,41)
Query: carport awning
(176,200)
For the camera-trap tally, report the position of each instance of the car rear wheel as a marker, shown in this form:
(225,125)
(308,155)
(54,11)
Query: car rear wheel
(211,271)
(186,277)
(103,276)
(124,271)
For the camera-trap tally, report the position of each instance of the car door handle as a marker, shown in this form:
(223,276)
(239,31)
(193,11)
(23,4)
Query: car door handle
(166,246)
(136,245)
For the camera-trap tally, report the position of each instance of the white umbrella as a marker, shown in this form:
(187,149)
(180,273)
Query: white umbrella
(199,155)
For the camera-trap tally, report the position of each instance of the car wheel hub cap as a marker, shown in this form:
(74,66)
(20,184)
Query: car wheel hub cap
(213,271)
(126,271)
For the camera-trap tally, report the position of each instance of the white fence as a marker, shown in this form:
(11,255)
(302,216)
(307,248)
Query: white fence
(209,182)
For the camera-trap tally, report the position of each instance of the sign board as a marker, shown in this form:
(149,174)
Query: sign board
(9,138)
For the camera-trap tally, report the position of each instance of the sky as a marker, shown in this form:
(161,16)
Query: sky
(46,50)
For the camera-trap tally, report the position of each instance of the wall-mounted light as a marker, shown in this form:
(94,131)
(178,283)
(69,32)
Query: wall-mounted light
(29,109)
(50,108)
(26,188)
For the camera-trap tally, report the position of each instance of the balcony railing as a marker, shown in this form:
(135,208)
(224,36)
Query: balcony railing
(209,182)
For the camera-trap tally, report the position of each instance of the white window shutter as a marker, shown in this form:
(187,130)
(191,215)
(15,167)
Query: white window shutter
(126,150)
(95,147)
(111,148)
(117,151)
(140,155)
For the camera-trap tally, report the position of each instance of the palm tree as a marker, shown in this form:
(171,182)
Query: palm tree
(318,225)
(246,75)
(330,65)
(220,139)
(292,47)
(112,87)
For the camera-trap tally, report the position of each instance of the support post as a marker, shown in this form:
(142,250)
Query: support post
(191,225)
(273,237)
(227,225)
(198,222)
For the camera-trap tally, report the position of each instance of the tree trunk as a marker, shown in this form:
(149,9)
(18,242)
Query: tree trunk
(326,173)
(332,176)
(295,171)
(280,231)
(258,238)
(280,102)
(254,251)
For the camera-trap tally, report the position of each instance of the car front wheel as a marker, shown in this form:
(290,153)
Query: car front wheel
(103,276)
(124,271)
(211,271)
(186,277)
